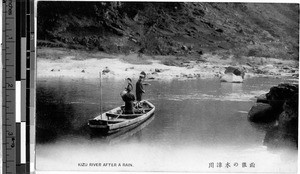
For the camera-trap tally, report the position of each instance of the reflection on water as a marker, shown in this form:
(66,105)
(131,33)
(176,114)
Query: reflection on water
(195,122)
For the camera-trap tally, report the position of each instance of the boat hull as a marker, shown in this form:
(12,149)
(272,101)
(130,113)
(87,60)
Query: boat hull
(112,121)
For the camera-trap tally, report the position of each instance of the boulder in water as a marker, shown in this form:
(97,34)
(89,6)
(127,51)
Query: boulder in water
(262,99)
(288,119)
(231,78)
(279,94)
(233,75)
(262,112)
(283,107)
(285,134)
(238,71)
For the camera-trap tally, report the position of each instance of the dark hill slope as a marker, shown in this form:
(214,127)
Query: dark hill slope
(172,28)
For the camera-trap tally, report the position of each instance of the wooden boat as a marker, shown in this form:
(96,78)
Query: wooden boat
(114,120)
(122,134)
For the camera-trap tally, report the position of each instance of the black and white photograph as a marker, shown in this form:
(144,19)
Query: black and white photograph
(206,87)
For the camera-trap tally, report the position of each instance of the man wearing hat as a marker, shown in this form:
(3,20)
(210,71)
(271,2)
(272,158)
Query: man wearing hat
(129,84)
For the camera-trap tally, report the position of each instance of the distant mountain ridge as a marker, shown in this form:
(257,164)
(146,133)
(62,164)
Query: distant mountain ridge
(172,28)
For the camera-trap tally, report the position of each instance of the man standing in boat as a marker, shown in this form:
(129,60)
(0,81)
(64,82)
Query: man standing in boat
(128,98)
(139,88)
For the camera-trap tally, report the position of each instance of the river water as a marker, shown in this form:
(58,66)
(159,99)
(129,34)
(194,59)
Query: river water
(198,126)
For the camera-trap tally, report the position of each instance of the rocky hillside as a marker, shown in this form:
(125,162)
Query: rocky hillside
(172,28)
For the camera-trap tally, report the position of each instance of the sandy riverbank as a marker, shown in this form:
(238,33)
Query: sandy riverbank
(78,64)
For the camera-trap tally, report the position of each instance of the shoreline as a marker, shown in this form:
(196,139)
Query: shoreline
(55,62)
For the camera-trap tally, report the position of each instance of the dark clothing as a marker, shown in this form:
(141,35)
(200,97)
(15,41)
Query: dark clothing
(128,98)
(139,97)
(129,86)
(139,90)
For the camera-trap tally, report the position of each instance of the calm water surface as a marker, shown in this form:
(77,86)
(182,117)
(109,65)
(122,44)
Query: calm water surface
(196,122)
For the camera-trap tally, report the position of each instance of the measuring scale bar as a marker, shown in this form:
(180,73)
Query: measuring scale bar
(21,126)
(18,85)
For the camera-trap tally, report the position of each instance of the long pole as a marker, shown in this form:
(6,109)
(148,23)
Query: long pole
(100,96)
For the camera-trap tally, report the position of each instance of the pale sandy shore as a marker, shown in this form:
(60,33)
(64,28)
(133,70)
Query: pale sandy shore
(121,66)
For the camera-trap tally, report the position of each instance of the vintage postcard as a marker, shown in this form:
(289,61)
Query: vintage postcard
(206,87)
